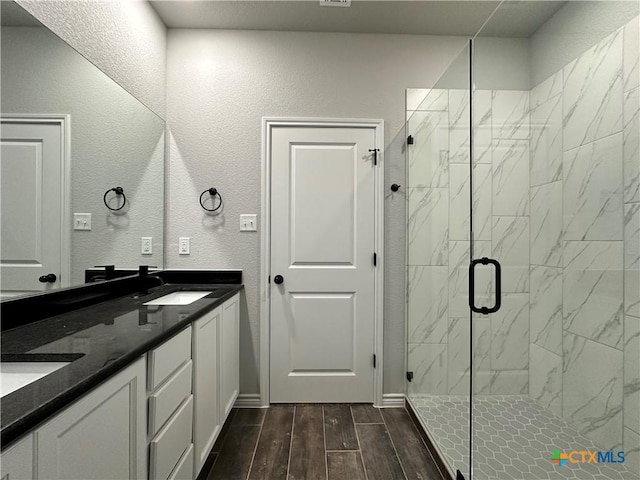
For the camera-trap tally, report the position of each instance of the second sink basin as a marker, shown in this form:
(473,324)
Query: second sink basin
(178,298)
(15,375)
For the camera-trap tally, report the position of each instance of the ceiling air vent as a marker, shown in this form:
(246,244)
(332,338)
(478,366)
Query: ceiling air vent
(335,3)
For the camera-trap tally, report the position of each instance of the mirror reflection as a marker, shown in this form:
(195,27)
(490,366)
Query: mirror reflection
(73,144)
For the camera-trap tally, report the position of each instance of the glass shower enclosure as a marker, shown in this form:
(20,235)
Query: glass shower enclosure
(523,247)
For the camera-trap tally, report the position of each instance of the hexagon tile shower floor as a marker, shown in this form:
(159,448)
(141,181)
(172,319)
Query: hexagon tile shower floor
(513,438)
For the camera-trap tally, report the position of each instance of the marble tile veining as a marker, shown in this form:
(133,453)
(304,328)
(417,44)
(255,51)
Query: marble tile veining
(427,99)
(545,378)
(510,334)
(592,287)
(546,142)
(510,111)
(632,259)
(632,373)
(429,154)
(546,224)
(511,177)
(545,313)
(459,215)
(459,364)
(631,146)
(511,246)
(428,362)
(631,60)
(509,382)
(546,90)
(428,229)
(592,94)
(428,304)
(592,194)
(592,395)
(482,119)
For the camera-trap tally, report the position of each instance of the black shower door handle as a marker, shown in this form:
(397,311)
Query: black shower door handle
(472,305)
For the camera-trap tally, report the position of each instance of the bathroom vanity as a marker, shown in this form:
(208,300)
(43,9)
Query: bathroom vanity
(147,380)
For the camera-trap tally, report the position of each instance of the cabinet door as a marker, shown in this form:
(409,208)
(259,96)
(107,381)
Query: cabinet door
(102,436)
(229,348)
(17,462)
(206,423)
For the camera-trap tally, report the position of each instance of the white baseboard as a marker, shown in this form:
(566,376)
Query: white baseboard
(248,400)
(252,400)
(393,400)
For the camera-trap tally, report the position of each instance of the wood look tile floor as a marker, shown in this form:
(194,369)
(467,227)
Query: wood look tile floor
(320,442)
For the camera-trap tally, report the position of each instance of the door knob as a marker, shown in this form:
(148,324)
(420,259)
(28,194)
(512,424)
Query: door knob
(278,279)
(49,278)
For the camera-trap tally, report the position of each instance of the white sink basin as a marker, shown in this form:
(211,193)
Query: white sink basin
(15,375)
(178,298)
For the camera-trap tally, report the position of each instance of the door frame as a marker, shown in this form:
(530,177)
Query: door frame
(64,121)
(268,123)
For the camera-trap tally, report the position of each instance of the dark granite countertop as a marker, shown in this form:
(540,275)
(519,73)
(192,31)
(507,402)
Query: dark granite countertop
(104,337)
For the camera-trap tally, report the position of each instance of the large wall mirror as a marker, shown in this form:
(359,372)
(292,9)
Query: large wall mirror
(70,135)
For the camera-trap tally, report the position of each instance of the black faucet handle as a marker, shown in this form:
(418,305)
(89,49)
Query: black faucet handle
(143,270)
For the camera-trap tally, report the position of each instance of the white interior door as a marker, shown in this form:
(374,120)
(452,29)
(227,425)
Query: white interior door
(32,195)
(322,245)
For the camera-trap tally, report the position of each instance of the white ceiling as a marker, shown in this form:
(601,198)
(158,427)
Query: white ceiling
(426,17)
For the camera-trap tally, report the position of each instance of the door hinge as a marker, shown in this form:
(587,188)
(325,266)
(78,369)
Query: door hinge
(374,360)
(410,140)
(375,155)
(269,279)
(409,376)
(375,259)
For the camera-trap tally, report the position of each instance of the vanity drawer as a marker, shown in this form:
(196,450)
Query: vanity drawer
(168,397)
(167,447)
(184,469)
(166,358)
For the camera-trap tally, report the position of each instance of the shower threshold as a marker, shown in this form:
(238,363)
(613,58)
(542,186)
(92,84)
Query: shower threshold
(514,438)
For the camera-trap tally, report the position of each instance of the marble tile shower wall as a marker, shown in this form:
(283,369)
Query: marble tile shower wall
(439,242)
(585,244)
(557,201)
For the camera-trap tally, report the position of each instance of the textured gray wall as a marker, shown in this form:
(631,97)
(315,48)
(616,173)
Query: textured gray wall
(126,39)
(221,83)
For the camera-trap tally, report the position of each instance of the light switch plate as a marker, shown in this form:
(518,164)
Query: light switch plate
(82,221)
(184,246)
(248,222)
(146,246)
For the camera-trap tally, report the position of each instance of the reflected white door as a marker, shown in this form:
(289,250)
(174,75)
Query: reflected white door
(322,244)
(32,192)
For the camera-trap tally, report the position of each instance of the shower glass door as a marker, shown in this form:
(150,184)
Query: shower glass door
(438,152)
(556,200)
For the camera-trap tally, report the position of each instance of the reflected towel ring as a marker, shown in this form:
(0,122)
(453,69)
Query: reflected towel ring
(214,193)
(120,193)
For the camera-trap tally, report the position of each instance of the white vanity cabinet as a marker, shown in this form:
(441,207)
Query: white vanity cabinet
(229,354)
(158,418)
(16,463)
(216,374)
(171,408)
(207,422)
(102,435)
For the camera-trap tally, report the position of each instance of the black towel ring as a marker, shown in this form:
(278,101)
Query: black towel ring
(120,193)
(214,193)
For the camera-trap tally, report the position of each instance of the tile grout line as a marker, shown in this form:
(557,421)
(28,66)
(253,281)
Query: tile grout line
(364,468)
(255,449)
(293,423)
(324,440)
(395,450)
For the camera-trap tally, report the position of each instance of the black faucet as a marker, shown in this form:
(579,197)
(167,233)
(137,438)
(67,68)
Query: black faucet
(146,280)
